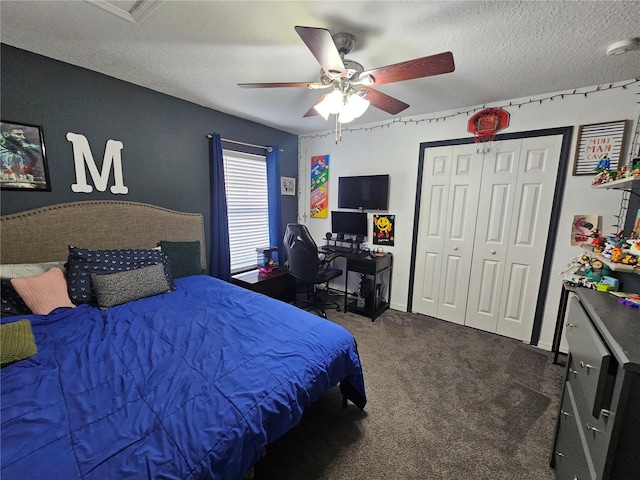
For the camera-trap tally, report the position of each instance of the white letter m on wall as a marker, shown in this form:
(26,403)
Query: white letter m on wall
(82,154)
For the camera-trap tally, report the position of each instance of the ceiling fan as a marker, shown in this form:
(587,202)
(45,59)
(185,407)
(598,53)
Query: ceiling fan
(349,82)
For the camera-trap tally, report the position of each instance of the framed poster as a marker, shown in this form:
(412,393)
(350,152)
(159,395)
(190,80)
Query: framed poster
(383,233)
(23,161)
(599,147)
(287,186)
(320,186)
(582,228)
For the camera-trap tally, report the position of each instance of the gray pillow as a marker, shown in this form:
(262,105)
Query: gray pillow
(113,289)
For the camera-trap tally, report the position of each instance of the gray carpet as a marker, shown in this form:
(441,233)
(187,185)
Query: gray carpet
(444,402)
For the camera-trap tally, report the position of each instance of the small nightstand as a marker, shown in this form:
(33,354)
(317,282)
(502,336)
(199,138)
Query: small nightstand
(278,284)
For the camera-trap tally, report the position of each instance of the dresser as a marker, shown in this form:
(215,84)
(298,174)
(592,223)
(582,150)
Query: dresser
(597,434)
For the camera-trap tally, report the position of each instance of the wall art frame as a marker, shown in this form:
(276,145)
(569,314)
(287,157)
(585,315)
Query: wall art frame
(23,159)
(287,186)
(599,147)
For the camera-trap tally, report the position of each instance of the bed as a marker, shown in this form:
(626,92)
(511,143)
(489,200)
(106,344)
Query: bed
(194,382)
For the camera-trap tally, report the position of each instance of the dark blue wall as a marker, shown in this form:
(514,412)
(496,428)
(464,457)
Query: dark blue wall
(166,153)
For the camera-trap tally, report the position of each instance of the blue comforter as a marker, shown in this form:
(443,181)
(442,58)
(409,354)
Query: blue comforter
(188,384)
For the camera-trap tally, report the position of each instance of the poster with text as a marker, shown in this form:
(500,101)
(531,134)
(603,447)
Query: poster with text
(383,229)
(320,186)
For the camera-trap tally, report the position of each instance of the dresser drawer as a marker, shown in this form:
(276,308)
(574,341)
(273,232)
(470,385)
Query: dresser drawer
(571,461)
(590,357)
(596,431)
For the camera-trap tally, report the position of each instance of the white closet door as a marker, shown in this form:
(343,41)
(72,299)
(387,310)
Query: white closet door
(499,180)
(460,227)
(528,235)
(450,189)
(431,230)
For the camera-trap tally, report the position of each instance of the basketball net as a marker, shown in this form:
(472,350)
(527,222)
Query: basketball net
(485,134)
(484,141)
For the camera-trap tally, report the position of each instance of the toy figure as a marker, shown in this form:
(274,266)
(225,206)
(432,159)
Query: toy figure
(596,271)
(616,254)
(597,242)
(604,164)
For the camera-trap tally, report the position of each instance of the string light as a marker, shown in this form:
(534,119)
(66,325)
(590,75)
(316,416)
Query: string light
(538,101)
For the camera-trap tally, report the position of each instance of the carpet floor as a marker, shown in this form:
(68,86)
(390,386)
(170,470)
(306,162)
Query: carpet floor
(444,402)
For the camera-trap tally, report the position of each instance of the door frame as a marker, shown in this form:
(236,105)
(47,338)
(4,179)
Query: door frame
(563,167)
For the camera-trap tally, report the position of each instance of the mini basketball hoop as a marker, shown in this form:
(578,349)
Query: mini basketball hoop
(485,125)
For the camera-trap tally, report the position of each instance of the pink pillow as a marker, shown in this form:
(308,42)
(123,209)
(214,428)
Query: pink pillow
(45,292)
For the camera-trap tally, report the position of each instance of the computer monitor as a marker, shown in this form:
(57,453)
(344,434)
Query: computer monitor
(349,223)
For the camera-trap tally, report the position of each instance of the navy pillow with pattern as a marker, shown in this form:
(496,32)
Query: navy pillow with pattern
(82,262)
(12,303)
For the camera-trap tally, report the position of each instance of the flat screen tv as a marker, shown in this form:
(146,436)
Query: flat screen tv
(365,192)
(349,223)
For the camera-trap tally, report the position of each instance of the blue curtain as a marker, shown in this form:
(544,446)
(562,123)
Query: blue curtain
(219,256)
(275,202)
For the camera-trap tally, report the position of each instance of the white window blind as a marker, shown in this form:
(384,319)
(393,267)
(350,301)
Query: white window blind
(247,205)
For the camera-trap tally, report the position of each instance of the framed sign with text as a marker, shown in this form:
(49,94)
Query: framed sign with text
(599,147)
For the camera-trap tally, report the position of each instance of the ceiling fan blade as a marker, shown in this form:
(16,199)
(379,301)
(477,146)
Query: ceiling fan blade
(417,68)
(385,102)
(275,85)
(319,41)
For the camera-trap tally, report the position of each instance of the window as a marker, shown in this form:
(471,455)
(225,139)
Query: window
(247,205)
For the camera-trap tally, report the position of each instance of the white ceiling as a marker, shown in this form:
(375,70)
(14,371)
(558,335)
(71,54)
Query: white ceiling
(200,50)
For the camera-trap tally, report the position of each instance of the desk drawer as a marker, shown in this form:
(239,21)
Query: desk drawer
(368,265)
(590,357)
(570,457)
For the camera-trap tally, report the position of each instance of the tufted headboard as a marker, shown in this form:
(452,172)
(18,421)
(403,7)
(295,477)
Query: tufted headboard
(44,234)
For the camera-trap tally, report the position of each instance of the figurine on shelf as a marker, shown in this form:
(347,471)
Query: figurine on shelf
(601,178)
(596,271)
(635,169)
(616,254)
(621,173)
(604,164)
(597,242)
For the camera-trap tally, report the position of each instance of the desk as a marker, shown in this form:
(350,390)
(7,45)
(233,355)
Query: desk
(373,269)
(278,284)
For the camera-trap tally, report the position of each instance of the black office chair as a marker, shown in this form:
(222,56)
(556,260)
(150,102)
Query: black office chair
(309,266)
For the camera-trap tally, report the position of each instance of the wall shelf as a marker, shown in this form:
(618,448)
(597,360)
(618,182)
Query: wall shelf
(616,267)
(623,184)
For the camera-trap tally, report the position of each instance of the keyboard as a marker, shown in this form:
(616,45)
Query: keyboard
(337,248)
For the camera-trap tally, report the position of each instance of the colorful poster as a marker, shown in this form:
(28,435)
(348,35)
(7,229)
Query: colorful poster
(320,186)
(582,228)
(383,229)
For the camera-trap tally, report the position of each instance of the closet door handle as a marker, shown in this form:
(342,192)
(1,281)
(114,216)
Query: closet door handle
(570,325)
(571,370)
(493,252)
(585,365)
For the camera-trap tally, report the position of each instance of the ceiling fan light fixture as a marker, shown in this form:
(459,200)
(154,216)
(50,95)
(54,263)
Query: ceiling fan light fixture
(346,116)
(323,109)
(334,101)
(357,105)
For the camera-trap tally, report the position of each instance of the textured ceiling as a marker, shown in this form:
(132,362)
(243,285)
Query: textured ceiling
(200,50)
